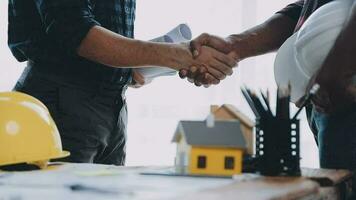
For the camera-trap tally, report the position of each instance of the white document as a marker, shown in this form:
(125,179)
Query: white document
(100,182)
(181,33)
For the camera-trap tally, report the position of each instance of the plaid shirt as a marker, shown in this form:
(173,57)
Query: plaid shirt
(50,31)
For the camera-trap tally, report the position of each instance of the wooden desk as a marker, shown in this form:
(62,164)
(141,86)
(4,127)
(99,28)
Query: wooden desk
(262,188)
(88,181)
(334,184)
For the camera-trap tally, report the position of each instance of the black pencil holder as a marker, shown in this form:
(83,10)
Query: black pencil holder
(277,147)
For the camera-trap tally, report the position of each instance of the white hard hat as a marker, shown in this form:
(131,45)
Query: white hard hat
(303,53)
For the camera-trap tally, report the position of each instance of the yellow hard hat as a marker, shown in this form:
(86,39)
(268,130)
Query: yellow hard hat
(28,133)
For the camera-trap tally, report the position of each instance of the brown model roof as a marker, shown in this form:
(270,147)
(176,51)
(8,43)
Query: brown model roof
(238,114)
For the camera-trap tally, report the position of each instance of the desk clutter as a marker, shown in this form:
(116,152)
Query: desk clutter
(224,143)
(277,135)
(94,181)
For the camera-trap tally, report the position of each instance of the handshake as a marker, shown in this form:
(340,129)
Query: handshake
(206,60)
(214,60)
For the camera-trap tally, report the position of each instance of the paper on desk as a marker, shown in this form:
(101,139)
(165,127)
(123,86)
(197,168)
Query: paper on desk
(127,184)
(101,172)
(181,33)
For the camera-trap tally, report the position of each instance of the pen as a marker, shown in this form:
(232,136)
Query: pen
(250,102)
(260,108)
(265,99)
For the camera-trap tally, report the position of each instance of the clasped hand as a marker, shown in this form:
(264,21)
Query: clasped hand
(214,60)
(206,60)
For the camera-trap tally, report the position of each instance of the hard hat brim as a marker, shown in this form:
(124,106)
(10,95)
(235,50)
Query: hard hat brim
(62,155)
(287,71)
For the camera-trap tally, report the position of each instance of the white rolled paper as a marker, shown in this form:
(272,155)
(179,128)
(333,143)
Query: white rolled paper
(181,33)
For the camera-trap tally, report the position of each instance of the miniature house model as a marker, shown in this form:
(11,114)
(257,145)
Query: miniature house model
(210,147)
(229,112)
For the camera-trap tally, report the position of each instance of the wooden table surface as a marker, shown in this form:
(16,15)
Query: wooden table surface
(90,181)
(262,188)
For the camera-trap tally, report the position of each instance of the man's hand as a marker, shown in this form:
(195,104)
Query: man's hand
(220,44)
(211,66)
(201,75)
(137,80)
(217,64)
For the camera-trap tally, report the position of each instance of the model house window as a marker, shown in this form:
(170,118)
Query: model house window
(201,162)
(229,162)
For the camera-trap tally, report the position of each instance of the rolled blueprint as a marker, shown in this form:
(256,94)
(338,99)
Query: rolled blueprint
(181,33)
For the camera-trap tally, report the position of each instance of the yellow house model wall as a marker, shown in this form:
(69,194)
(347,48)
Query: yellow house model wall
(215,161)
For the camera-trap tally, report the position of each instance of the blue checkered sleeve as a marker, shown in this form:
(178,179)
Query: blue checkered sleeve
(52,30)
(66,21)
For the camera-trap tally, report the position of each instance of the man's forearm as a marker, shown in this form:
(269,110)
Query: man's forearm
(341,61)
(264,38)
(258,40)
(103,46)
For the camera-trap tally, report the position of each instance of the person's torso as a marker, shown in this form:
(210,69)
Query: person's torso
(28,41)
